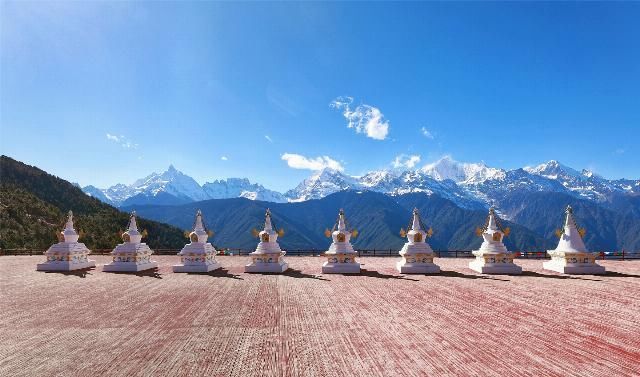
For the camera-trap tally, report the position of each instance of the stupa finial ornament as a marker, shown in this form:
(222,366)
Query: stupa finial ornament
(267,221)
(492,225)
(199,233)
(342,226)
(416,220)
(132,235)
(568,221)
(133,224)
(69,220)
(69,234)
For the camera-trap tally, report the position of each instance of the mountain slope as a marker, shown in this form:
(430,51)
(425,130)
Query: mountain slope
(454,227)
(377,216)
(33,206)
(606,229)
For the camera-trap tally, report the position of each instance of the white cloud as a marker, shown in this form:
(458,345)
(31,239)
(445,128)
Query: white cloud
(268,138)
(620,151)
(406,161)
(363,118)
(123,141)
(297,161)
(426,133)
(224,158)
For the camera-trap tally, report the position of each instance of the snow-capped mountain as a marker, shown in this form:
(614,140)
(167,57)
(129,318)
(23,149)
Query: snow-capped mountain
(321,184)
(97,193)
(174,187)
(172,182)
(241,187)
(461,172)
(585,183)
(469,185)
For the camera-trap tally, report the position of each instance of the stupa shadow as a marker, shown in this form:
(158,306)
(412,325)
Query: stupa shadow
(551,276)
(456,274)
(153,273)
(376,274)
(297,274)
(620,274)
(539,275)
(79,273)
(218,273)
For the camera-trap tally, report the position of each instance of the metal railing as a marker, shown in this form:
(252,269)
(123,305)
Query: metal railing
(615,255)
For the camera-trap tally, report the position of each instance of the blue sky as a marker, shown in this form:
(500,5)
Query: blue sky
(107,92)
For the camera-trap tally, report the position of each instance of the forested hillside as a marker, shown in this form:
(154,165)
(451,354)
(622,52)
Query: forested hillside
(33,207)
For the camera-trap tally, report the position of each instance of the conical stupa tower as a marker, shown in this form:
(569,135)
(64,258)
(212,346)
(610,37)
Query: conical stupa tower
(133,255)
(341,258)
(198,255)
(268,257)
(417,256)
(571,255)
(68,254)
(493,257)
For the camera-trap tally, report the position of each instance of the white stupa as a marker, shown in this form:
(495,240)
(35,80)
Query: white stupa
(68,254)
(198,255)
(341,258)
(133,255)
(571,255)
(417,256)
(493,257)
(268,257)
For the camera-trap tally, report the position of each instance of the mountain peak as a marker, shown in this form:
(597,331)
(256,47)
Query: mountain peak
(461,172)
(552,169)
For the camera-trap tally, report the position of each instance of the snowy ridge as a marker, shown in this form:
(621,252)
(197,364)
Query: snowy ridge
(174,184)
(469,185)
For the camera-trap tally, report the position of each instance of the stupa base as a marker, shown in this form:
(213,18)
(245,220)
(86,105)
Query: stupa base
(417,268)
(196,267)
(499,269)
(587,269)
(340,268)
(278,268)
(65,266)
(128,266)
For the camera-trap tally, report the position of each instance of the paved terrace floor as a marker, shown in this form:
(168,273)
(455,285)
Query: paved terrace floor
(379,323)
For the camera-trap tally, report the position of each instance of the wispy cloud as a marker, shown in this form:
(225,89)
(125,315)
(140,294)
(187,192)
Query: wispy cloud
(620,151)
(282,101)
(122,140)
(363,118)
(269,139)
(297,161)
(224,158)
(406,161)
(426,133)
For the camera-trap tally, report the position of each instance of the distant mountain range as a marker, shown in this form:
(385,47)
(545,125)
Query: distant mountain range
(174,187)
(452,198)
(468,185)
